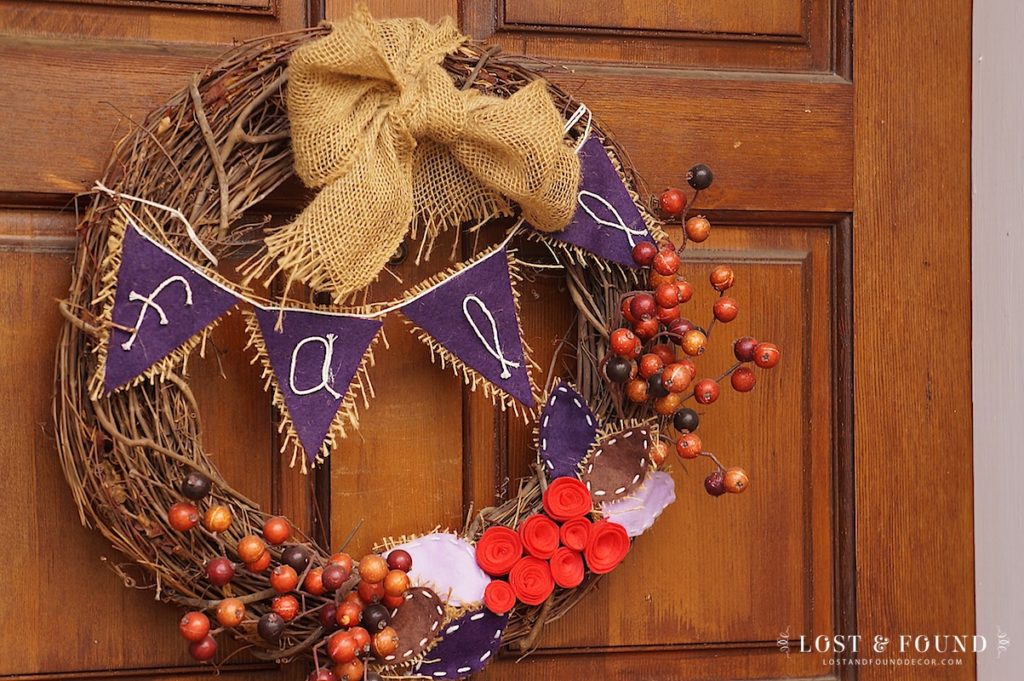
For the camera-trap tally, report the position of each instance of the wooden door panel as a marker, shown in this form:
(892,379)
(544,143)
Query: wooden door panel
(776,35)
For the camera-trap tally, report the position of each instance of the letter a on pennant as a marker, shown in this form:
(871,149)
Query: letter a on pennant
(314,358)
(606,222)
(473,316)
(160,303)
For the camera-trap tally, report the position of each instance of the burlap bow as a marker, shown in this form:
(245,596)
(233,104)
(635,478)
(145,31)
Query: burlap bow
(378,125)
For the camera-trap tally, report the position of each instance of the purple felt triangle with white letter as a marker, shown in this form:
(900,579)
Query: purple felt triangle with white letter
(314,357)
(607,222)
(160,303)
(472,314)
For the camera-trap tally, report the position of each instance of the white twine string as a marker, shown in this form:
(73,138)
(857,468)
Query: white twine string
(173,211)
(495,350)
(619,224)
(575,118)
(255,303)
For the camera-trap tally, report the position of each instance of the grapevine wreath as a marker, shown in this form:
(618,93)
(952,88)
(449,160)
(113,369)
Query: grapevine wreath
(405,129)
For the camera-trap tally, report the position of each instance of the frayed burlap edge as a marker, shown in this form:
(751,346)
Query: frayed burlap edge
(109,269)
(347,416)
(440,355)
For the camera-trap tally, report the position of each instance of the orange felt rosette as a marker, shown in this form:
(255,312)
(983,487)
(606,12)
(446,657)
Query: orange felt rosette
(498,549)
(567,498)
(607,545)
(539,535)
(499,597)
(566,568)
(574,533)
(531,580)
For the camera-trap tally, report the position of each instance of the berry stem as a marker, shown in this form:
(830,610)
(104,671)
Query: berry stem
(715,459)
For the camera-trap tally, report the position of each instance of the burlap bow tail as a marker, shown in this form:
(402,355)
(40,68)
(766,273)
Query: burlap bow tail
(379,126)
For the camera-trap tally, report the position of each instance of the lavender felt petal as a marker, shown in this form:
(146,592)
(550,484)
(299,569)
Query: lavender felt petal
(567,429)
(447,564)
(607,222)
(326,350)
(638,511)
(467,645)
(164,300)
(472,314)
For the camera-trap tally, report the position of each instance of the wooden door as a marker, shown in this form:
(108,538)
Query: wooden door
(840,139)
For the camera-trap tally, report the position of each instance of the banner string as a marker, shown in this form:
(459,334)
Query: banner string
(397,305)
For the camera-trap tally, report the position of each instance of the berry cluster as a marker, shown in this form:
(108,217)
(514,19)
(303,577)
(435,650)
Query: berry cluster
(644,357)
(548,549)
(357,619)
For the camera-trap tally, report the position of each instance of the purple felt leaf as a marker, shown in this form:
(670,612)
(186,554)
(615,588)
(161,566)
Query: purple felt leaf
(467,645)
(567,429)
(638,511)
(164,300)
(314,357)
(473,316)
(447,564)
(607,222)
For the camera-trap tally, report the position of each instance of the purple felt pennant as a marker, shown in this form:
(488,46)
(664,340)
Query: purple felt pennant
(566,431)
(159,304)
(468,644)
(607,222)
(472,314)
(314,357)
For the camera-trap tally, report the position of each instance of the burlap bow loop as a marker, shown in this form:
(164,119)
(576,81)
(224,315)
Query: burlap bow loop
(380,129)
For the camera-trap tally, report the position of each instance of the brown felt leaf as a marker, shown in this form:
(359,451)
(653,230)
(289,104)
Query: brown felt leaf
(617,464)
(418,624)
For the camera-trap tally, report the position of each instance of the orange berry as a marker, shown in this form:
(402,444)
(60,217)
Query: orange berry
(230,612)
(217,518)
(182,516)
(373,568)
(314,582)
(736,480)
(286,606)
(284,579)
(251,548)
(688,446)
(385,642)
(395,583)
(261,564)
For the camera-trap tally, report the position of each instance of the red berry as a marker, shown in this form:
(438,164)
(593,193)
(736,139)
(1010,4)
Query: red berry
(743,348)
(685,290)
(644,252)
(672,201)
(726,309)
(706,391)
(322,674)
(286,606)
(676,377)
(328,616)
(203,650)
(667,354)
(688,446)
(667,294)
(743,380)
(342,647)
(183,516)
(667,314)
(767,355)
(714,484)
(284,579)
(722,277)
(314,582)
(627,313)
(666,262)
(194,626)
(333,577)
(650,364)
(643,306)
(623,342)
(645,329)
(679,327)
(348,613)
(277,530)
(220,571)
(400,559)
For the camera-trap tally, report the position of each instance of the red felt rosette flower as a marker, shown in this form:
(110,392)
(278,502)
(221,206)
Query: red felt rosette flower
(539,535)
(607,545)
(567,498)
(566,568)
(574,533)
(499,597)
(498,549)
(531,580)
